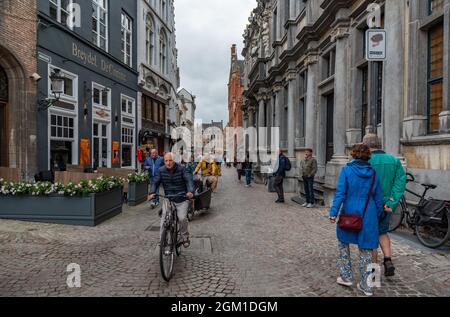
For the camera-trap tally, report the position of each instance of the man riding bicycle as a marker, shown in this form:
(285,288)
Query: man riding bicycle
(176,181)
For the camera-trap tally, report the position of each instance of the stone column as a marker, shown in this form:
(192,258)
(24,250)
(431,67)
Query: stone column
(445,114)
(292,76)
(340,94)
(310,109)
(393,77)
(278,105)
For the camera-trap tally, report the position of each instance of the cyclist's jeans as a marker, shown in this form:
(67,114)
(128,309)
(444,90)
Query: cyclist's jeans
(345,264)
(182,209)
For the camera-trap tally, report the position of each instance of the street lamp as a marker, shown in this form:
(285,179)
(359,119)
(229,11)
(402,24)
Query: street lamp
(57,87)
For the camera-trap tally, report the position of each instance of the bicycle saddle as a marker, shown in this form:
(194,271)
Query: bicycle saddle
(430,186)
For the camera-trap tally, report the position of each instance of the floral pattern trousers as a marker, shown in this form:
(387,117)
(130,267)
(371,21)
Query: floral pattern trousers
(345,265)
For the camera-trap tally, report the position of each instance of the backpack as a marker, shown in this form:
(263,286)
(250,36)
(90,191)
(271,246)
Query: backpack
(288,164)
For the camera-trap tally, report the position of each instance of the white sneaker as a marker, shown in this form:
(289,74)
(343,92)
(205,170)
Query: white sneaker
(310,206)
(342,282)
(367,293)
(305,204)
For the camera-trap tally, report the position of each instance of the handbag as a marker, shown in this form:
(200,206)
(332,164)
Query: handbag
(354,223)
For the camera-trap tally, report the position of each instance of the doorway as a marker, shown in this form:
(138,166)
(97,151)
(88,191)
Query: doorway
(3,115)
(100,145)
(330,126)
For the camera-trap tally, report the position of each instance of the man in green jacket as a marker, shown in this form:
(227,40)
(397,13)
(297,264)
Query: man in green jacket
(393,182)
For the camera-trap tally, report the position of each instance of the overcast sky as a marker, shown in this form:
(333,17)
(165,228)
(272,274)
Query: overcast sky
(205,31)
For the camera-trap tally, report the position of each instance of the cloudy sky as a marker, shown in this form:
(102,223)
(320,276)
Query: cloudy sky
(206,29)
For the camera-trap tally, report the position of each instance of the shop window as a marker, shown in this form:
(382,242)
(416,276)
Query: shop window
(127,146)
(435,78)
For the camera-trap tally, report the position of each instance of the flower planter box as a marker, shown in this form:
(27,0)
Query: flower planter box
(137,193)
(89,210)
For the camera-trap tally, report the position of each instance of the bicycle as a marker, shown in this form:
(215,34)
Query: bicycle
(171,240)
(432,232)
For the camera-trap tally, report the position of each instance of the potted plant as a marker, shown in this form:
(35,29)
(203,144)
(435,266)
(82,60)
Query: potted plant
(137,188)
(86,203)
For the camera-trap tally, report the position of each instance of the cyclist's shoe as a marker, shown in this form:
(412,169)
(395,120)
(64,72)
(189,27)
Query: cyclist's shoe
(389,269)
(187,243)
(305,204)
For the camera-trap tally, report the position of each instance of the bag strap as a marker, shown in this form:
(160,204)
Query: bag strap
(370,192)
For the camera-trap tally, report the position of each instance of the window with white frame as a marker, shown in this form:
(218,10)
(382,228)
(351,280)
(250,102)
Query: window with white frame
(100,23)
(127,35)
(149,45)
(127,146)
(62,141)
(100,96)
(127,106)
(69,85)
(58,10)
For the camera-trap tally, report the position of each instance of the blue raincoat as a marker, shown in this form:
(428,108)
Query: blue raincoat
(352,191)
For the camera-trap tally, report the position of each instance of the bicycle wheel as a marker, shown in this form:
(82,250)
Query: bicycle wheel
(433,234)
(397,218)
(166,254)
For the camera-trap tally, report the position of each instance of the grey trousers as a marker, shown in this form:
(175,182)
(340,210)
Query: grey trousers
(182,210)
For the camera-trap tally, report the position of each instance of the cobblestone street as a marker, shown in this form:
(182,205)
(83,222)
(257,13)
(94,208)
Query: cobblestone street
(246,245)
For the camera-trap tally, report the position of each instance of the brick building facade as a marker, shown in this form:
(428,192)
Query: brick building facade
(235,90)
(17,85)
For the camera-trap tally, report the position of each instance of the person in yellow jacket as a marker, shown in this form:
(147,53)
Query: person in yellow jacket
(202,167)
(215,173)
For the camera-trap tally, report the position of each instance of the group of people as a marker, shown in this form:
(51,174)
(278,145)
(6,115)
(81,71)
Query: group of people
(370,186)
(178,179)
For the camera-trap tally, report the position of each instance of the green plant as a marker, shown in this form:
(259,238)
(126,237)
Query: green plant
(138,178)
(99,185)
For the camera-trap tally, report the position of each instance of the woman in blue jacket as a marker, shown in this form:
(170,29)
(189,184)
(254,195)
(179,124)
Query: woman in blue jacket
(352,191)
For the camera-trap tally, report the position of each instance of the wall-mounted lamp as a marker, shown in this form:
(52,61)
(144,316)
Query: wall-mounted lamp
(57,89)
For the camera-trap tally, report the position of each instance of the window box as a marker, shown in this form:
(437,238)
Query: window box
(137,193)
(89,210)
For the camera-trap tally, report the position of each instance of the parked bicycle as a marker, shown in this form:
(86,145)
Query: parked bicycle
(429,218)
(171,240)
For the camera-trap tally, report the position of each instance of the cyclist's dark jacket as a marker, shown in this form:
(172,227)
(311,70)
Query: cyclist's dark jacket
(177,182)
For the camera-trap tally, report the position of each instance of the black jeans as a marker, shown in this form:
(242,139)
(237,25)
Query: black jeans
(278,184)
(309,189)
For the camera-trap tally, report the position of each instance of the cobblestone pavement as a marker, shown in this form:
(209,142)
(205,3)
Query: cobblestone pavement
(246,245)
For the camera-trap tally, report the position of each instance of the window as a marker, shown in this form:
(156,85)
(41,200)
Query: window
(435,5)
(3,85)
(69,86)
(435,77)
(275,21)
(303,82)
(364,100)
(100,96)
(127,146)
(58,10)
(162,113)
(329,64)
(127,34)
(163,51)
(127,106)
(61,127)
(149,45)
(100,23)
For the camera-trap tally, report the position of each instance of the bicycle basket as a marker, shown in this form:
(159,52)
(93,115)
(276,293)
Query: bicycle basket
(432,211)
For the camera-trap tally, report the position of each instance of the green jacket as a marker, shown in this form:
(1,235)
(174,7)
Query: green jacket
(392,176)
(309,167)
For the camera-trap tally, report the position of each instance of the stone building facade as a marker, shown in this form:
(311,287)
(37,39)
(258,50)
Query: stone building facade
(18,128)
(306,73)
(159,73)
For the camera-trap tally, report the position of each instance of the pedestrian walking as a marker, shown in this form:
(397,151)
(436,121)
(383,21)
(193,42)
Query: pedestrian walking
(359,193)
(248,167)
(309,170)
(152,165)
(284,165)
(239,170)
(393,184)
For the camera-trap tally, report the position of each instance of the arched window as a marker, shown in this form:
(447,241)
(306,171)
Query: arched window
(150,35)
(163,47)
(3,85)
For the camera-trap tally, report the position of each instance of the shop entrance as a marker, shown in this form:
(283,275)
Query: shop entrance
(3,116)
